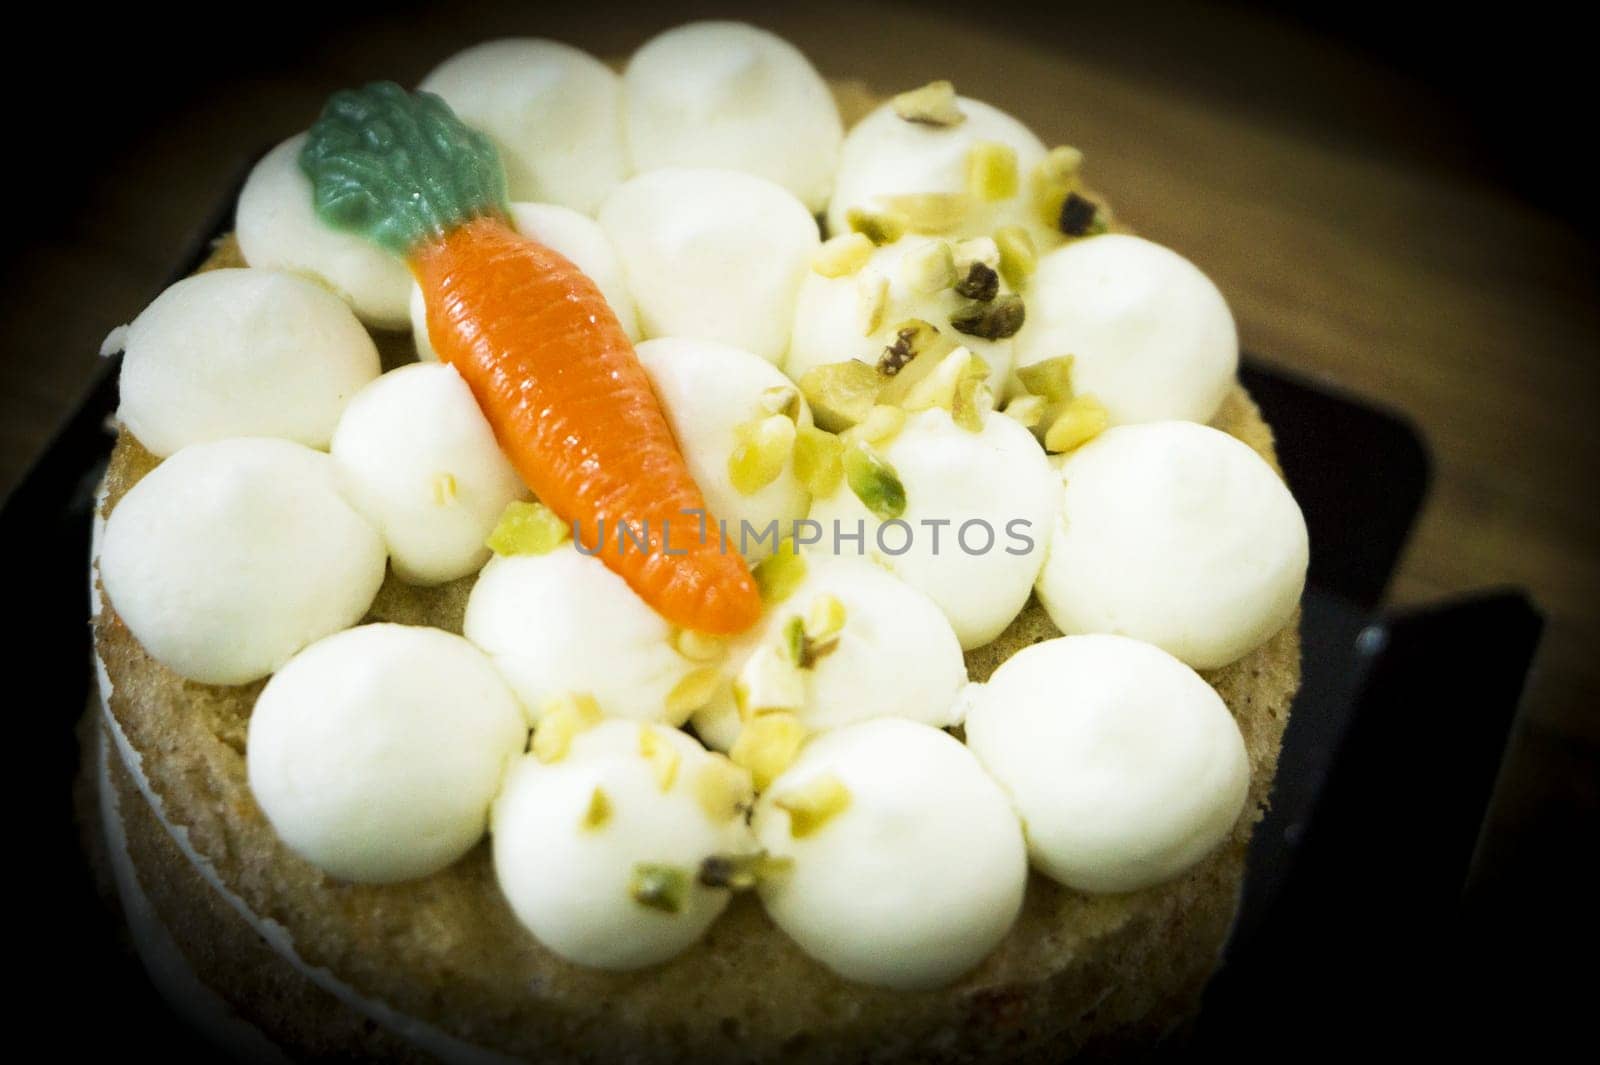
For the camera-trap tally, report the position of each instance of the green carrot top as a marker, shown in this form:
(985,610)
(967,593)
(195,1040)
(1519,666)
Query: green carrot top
(399,168)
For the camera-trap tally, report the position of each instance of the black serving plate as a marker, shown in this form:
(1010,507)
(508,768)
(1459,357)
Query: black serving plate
(1375,811)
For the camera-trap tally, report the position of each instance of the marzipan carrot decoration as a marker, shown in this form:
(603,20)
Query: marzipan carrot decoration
(546,358)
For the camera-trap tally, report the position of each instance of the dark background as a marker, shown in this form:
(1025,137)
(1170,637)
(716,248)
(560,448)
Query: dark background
(1436,167)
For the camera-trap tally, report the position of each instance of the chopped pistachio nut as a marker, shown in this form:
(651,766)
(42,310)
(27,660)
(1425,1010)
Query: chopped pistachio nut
(930,212)
(695,690)
(1083,419)
(817,462)
(741,872)
(699,646)
(561,718)
(794,639)
(881,423)
(660,887)
(939,388)
(974,398)
(527,528)
(977,250)
(1018,255)
(811,806)
(804,650)
(912,337)
(1000,318)
(1056,176)
(840,393)
(1080,217)
(781,399)
(932,105)
(444,489)
(880,227)
(1028,411)
(767,745)
(723,790)
(771,680)
(780,573)
(598,811)
(661,755)
(843,255)
(826,617)
(1062,164)
(929,268)
(874,481)
(992,171)
(762,452)
(872,299)
(981,283)
(1049,378)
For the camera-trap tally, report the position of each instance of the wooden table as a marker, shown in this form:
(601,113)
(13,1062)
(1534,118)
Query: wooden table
(1336,206)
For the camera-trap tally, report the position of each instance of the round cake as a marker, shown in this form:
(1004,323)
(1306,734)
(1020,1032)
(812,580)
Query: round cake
(263,808)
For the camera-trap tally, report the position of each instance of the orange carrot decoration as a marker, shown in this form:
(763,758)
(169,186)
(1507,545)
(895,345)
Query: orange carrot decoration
(532,336)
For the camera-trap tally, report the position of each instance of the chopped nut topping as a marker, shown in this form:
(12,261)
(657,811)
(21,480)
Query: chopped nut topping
(444,489)
(780,573)
(598,811)
(698,646)
(981,283)
(1049,378)
(911,338)
(1083,420)
(881,424)
(1080,216)
(802,648)
(938,389)
(661,755)
(527,528)
(767,745)
(872,299)
(560,719)
(932,105)
(929,268)
(996,320)
(843,255)
(660,887)
(977,250)
(817,461)
(930,212)
(880,227)
(741,872)
(771,680)
(762,452)
(1028,411)
(826,618)
(812,805)
(781,399)
(723,790)
(794,638)
(1018,256)
(874,481)
(840,393)
(694,691)
(992,171)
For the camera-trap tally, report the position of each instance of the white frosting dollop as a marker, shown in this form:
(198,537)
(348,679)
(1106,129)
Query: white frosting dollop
(1179,535)
(712,254)
(563,623)
(885,155)
(979,511)
(574,235)
(570,879)
(707,390)
(417,457)
(734,97)
(278,229)
(828,319)
(1150,336)
(917,878)
(229,557)
(1127,768)
(554,113)
(896,655)
(241,353)
(376,752)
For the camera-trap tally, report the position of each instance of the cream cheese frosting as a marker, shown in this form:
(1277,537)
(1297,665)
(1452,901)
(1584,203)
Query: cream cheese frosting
(1124,764)
(909,864)
(978,515)
(1179,535)
(599,852)
(229,557)
(416,456)
(574,235)
(241,353)
(735,97)
(709,391)
(553,111)
(278,229)
(375,752)
(712,254)
(1150,336)
(562,622)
